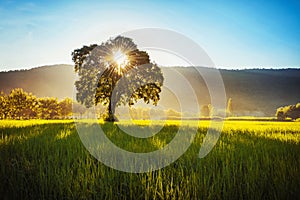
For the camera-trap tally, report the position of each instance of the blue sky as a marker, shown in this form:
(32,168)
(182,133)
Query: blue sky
(235,34)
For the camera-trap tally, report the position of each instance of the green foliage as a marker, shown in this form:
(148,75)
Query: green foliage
(49,108)
(173,114)
(206,110)
(22,105)
(3,106)
(229,111)
(66,107)
(100,75)
(288,112)
(254,92)
(252,160)
(78,55)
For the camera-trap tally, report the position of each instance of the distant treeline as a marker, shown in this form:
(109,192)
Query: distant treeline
(255,92)
(288,112)
(19,104)
(22,105)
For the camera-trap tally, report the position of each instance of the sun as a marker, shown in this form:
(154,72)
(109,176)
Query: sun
(120,58)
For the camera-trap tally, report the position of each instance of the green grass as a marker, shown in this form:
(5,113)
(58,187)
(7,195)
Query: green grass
(252,160)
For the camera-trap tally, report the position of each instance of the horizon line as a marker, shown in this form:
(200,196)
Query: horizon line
(216,67)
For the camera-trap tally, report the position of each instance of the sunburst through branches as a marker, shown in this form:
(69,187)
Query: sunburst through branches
(114,73)
(121,60)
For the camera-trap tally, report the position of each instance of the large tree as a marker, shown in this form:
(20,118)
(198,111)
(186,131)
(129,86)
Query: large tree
(114,73)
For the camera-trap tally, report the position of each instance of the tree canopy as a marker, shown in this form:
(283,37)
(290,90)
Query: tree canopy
(206,110)
(288,112)
(19,104)
(114,73)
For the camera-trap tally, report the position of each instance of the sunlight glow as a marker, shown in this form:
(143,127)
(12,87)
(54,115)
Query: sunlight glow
(120,58)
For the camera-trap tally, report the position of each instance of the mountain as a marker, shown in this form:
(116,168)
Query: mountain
(256,92)
(52,81)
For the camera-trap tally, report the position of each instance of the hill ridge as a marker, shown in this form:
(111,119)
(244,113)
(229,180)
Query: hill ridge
(253,91)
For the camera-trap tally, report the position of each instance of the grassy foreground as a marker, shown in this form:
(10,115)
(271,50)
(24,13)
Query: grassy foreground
(251,160)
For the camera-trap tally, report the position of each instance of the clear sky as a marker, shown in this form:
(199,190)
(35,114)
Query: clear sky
(235,34)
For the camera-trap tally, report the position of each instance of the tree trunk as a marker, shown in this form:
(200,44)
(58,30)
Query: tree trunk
(111,112)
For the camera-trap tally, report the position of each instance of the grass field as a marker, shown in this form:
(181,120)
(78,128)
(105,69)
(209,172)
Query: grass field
(251,160)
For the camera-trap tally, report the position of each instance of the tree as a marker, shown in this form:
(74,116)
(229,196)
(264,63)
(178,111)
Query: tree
(291,111)
(114,73)
(66,107)
(206,110)
(280,114)
(30,110)
(18,105)
(173,114)
(49,108)
(229,108)
(21,105)
(140,113)
(3,106)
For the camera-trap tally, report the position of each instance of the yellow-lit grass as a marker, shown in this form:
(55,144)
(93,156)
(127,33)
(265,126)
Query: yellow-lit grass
(42,159)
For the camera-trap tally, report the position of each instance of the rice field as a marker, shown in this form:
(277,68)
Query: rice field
(42,159)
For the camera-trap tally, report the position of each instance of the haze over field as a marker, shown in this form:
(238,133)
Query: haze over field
(234,35)
(257,92)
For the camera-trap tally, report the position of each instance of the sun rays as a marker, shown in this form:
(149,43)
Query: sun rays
(121,59)
(119,56)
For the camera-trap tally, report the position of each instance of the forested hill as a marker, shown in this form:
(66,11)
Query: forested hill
(52,81)
(255,92)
